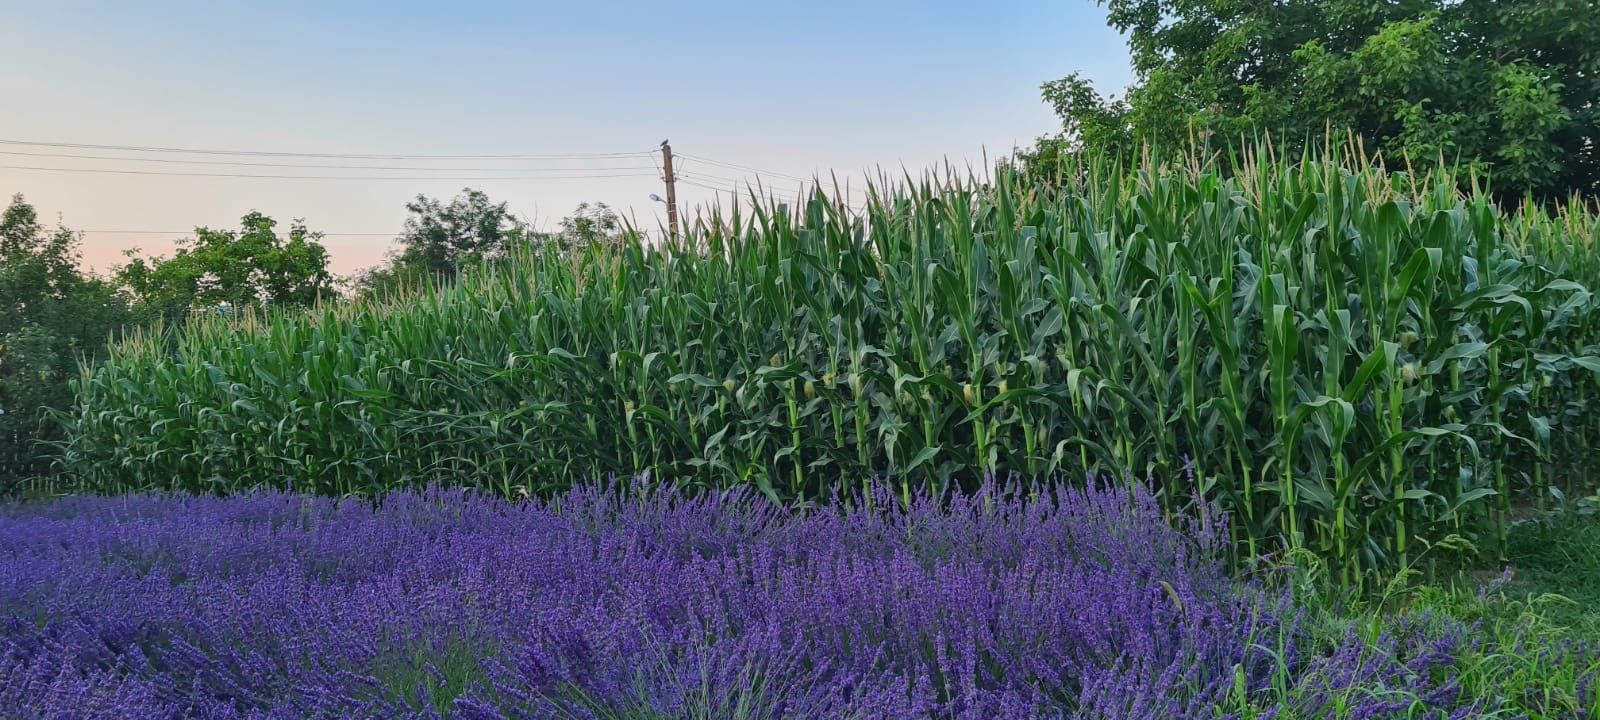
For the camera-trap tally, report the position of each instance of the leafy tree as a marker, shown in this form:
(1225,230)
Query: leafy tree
(51,315)
(1508,85)
(439,238)
(590,224)
(253,266)
(1087,121)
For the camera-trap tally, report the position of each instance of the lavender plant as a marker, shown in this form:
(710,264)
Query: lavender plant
(1054,603)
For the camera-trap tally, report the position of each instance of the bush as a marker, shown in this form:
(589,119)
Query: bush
(30,382)
(51,315)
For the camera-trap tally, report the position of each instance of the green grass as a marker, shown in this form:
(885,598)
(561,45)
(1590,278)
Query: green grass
(1529,640)
(1551,581)
(441,674)
(1556,564)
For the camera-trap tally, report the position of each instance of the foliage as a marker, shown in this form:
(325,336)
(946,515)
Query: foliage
(232,270)
(1356,363)
(31,380)
(638,603)
(595,224)
(1089,123)
(50,316)
(1510,85)
(440,239)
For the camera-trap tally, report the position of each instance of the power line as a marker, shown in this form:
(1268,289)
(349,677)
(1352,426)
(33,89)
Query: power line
(753,181)
(793,186)
(709,169)
(859,209)
(740,186)
(734,187)
(320,177)
(352,156)
(707,187)
(746,168)
(80,156)
(749,180)
(749,189)
(191,232)
(850,193)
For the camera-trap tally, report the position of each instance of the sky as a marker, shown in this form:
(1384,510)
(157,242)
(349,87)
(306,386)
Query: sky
(789,89)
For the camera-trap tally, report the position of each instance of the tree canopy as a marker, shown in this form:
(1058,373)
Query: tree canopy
(253,266)
(590,224)
(441,237)
(51,315)
(1510,86)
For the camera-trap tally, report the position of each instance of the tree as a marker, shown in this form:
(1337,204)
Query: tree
(595,224)
(251,267)
(1509,85)
(51,316)
(440,238)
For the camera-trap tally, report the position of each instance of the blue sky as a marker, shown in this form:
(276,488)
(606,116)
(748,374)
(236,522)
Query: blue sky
(793,88)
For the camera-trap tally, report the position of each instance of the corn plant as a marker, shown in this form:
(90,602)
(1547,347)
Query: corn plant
(1368,365)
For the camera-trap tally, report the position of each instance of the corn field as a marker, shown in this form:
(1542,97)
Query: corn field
(1368,365)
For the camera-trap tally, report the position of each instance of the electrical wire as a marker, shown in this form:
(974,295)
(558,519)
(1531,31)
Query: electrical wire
(735,188)
(765,181)
(80,156)
(718,174)
(713,188)
(852,194)
(742,187)
(319,177)
(351,156)
(753,182)
(191,232)
(791,187)
(746,168)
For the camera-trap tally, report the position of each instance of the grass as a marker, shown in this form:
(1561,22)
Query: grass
(1527,628)
(1551,580)
(1556,572)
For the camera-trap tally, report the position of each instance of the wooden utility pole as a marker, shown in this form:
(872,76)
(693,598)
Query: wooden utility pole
(672,188)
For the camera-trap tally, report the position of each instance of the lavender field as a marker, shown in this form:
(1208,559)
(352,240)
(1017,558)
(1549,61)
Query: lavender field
(1257,474)
(1073,604)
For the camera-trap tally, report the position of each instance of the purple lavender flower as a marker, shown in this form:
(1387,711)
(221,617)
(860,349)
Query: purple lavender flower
(1080,603)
